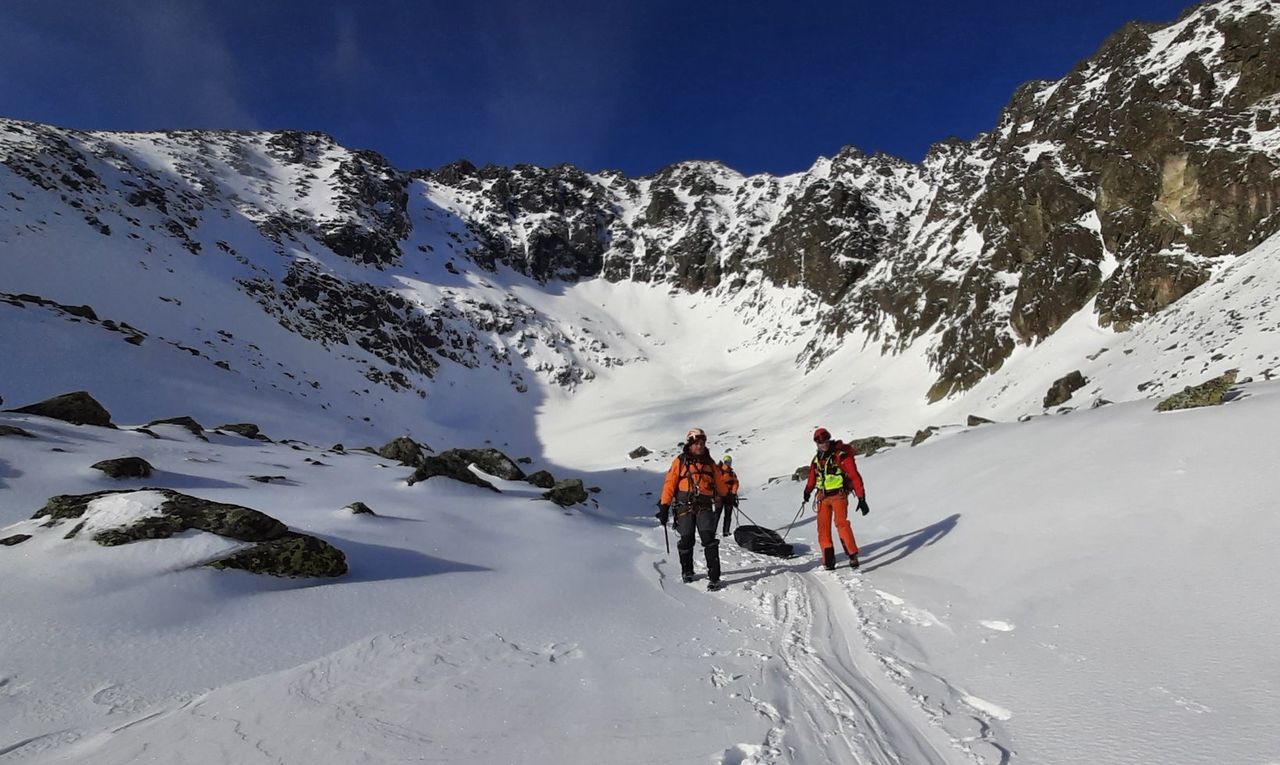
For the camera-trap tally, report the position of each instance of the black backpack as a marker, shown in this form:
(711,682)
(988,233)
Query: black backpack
(758,539)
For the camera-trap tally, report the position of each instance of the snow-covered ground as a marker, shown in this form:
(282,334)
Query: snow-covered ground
(1087,587)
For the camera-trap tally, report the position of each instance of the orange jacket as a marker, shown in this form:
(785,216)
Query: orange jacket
(690,476)
(730,479)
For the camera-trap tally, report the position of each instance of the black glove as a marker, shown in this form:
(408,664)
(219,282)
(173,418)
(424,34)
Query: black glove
(663,512)
(862,506)
(807,494)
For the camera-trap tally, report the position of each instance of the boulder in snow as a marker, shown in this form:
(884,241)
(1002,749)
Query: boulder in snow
(567,492)
(360,508)
(1062,388)
(246,429)
(489,460)
(404,450)
(923,435)
(77,408)
(14,430)
(639,452)
(974,421)
(542,479)
(1207,393)
(865,447)
(448,465)
(16,539)
(124,467)
(189,423)
(114,518)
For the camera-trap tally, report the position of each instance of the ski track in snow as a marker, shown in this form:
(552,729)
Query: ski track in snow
(831,697)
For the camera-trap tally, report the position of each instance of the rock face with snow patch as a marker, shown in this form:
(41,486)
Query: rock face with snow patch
(162,513)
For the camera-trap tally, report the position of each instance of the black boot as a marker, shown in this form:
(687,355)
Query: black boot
(853,561)
(713,561)
(686,564)
(829,558)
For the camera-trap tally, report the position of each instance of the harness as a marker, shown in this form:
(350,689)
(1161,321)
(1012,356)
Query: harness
(691,500)
(829,480)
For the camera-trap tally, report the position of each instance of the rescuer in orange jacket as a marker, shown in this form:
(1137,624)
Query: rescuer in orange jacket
(732,484)
(695,489)
(834,474)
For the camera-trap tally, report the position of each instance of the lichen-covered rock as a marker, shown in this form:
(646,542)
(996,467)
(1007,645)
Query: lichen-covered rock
(124,467)
(542,479)
(567,492)
(14,430)
(290,555)
(639,452)
(1062,389)
(491,461)
(277,551)
(189,423)
(448,465)
(1208,393)
(15,539)
(360,508)
(865,447)
(924,435)
(246,429)
(974,421)
(77,408)
(404,450)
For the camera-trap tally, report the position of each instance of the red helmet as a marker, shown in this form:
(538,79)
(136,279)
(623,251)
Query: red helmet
(820,435)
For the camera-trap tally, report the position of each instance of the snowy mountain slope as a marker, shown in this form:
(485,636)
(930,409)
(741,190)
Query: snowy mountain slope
(1099,199)
(1047,591)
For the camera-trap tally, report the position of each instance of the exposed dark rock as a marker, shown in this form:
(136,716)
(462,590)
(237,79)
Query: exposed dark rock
(524,460)
(542,479)
(14,430)
(339,448)
(404,450)
(190,424)
(923,435)
(78,408)
(800,474)
(865,447)
(246,429)
(974,421)
(15,539)
(1099,403)
(360,508)
(1062,389)
(1209,393)
(290,555)
(178,513)
(124,467)
(448,465)
(491,461)
(567,492)
(268,478)
(639,452)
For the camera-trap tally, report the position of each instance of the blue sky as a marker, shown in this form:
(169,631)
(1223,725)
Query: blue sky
(761,86)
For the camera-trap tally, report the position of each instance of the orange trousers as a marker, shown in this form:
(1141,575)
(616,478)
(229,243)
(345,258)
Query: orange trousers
(836,505)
